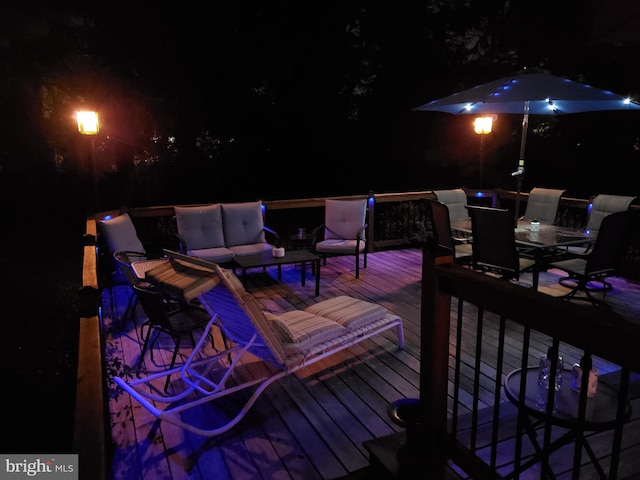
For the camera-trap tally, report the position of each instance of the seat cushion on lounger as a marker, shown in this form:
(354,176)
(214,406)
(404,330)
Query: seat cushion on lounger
(305,330)
(351,313)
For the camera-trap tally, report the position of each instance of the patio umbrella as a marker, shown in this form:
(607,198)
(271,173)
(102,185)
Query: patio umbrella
(531,91)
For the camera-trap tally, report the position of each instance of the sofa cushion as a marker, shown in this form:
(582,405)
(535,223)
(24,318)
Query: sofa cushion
(243,223)
(200,227)
(120,234)
(349,312)
(251,249)
(215,255)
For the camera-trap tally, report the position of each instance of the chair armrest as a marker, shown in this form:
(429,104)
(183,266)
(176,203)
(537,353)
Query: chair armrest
(317,234)
(182,243)
(125,257)
(462,240)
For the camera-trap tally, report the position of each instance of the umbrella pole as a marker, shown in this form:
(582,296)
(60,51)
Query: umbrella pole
(520,171)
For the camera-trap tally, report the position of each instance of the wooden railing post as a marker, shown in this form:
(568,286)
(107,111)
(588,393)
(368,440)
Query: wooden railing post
(371,206)
(429,451)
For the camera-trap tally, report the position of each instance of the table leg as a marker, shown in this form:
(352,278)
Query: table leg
(317,264)
(536,268)
(279,272)
(302,274)
(244,277)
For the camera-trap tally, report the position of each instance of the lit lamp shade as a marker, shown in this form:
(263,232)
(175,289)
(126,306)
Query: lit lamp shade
(88,123)
(482,125)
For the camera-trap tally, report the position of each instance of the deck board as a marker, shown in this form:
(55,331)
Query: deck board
(314,423)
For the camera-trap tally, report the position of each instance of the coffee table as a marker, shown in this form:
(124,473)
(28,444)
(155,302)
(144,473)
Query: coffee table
(266,259)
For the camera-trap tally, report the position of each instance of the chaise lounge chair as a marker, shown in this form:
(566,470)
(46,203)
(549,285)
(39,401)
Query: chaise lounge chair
(288,342)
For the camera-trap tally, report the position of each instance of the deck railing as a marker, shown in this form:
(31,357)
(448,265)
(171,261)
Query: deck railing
(452,428)
(395,220)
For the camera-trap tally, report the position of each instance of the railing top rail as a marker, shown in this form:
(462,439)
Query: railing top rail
(603,333)
(165,210)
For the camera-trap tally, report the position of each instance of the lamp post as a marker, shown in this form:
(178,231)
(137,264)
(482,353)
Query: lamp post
(482,126)
(88,124)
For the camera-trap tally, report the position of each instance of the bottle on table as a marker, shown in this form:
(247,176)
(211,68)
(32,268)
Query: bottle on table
(544,373)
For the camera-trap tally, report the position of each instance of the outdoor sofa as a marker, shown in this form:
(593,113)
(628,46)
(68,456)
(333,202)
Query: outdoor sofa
(220,231)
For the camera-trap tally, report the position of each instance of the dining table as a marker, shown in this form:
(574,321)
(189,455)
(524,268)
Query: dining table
(541,241)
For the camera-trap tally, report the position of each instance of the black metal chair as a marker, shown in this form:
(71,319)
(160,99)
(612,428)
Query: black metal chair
(601,206)
(456,201)
(462,250)
(123,260)
(602,262)
(542,205)
(178,320)
(494,244)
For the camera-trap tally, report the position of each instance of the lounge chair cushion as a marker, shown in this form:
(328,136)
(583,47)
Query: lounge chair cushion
(304,329)
(120,234)
(351,313)
(200,227)
(243,223)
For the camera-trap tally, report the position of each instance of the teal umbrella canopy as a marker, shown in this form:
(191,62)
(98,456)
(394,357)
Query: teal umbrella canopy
(536,92)
(531,91)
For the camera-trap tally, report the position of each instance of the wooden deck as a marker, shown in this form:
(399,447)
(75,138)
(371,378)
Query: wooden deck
(312,424)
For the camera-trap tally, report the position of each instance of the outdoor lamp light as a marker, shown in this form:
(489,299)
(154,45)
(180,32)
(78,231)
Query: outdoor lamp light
(482,125)
(88,123)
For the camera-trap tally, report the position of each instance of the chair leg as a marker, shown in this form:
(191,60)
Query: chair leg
(173,362)
(581,286)
(357,266)
(148,342)
(145,344)
(131,308)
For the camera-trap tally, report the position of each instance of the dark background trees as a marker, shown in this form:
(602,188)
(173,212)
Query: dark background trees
(186,94)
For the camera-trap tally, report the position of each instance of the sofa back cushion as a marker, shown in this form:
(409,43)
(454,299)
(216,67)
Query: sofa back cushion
(120,234)
(243,223)
(200,227)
